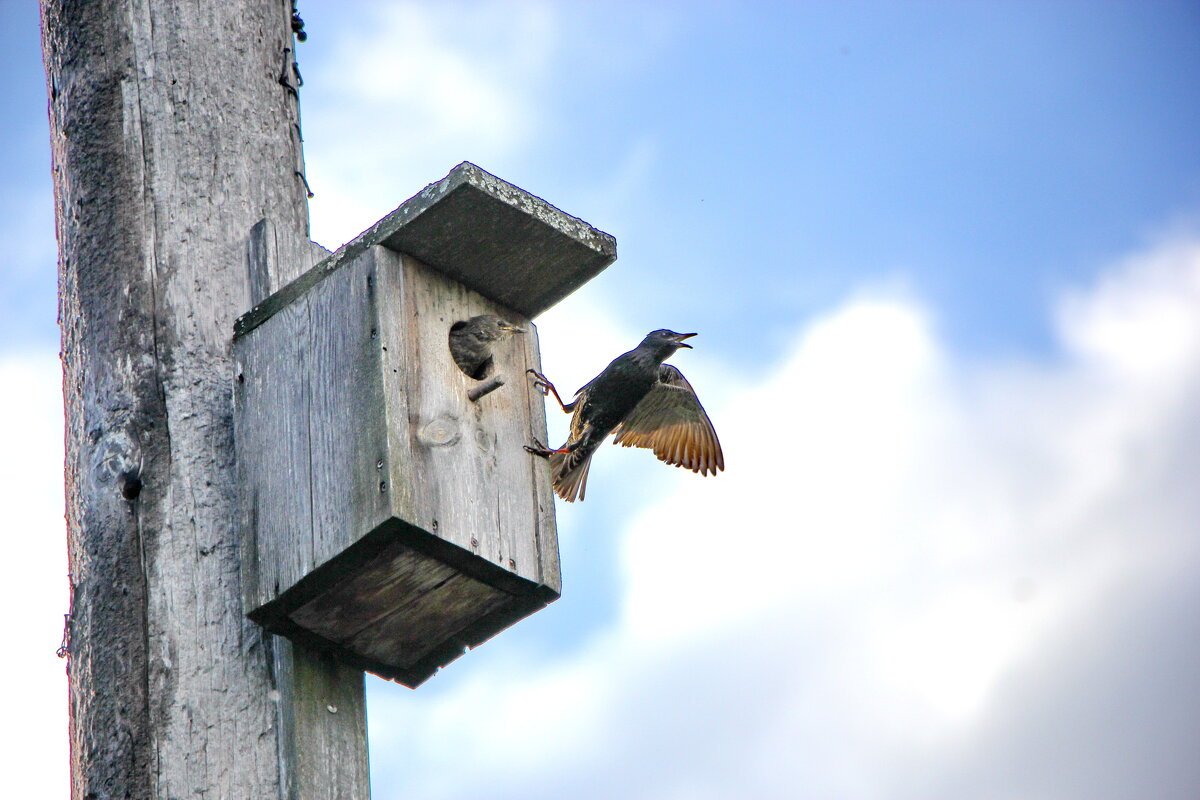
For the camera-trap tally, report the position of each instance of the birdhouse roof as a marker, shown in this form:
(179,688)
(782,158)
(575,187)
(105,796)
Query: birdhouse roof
(493,237)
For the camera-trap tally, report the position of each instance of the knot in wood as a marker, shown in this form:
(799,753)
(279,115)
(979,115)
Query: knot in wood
(116,459)
(441,432)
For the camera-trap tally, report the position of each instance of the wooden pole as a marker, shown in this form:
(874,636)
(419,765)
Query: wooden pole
(175,132)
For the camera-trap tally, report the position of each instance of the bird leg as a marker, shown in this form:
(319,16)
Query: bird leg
(543,385)
(539,449)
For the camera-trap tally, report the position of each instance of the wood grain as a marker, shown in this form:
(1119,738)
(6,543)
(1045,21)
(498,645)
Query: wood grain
(383,419)
(494,238)
(171,138)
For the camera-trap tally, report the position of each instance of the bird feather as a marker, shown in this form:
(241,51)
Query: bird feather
(671,421)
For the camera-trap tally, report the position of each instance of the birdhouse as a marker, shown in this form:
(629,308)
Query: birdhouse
(391,515)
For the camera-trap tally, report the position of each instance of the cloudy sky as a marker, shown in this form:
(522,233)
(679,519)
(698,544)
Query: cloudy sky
(944,259)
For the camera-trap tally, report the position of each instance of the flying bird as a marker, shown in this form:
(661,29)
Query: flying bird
(471,342)
(645,403)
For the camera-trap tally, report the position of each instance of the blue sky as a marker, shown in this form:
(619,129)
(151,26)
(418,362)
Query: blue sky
(945,264)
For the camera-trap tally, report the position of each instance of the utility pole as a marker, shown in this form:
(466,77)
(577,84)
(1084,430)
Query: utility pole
(175,132)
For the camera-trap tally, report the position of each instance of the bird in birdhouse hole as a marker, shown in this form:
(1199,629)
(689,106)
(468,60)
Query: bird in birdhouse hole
(645,403)
(471,342)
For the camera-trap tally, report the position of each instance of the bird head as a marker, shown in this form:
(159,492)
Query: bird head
(666,342)
(490,327)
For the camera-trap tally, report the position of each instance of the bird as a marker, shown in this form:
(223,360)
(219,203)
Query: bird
(471,342)
(645,403)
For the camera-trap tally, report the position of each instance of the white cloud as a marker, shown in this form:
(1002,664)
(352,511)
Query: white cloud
(414,90)
(914,569)
(35,740)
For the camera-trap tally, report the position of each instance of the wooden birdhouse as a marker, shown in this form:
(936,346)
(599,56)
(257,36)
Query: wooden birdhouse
(391,514)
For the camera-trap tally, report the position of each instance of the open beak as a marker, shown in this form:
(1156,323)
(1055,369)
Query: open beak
(512,329)
(679,337)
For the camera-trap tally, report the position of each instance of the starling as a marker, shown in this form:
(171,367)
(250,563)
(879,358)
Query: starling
(471,342)
(646,403)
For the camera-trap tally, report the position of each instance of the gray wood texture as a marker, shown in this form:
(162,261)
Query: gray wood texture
(391,514)
(494,238)
(473,484)
(172,136)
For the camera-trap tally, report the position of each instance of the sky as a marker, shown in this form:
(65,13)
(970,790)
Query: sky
(944,259)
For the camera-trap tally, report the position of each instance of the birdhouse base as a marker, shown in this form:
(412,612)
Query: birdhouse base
(401,603)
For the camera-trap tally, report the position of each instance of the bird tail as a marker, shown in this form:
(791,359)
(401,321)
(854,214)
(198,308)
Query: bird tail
(568,472)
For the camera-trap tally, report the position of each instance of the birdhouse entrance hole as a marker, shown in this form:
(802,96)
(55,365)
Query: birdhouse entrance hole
(485,368)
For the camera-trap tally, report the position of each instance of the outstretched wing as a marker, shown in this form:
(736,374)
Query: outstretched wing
(670,421)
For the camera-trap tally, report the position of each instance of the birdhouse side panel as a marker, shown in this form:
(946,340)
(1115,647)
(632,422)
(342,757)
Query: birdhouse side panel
(348,418)
(547,530)
(472,483)
(311,436)
(271,418)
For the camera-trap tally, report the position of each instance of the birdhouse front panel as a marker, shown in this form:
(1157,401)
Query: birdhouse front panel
(470,480)
(394,518)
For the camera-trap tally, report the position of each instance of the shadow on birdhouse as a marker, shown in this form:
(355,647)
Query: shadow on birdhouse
(391,515)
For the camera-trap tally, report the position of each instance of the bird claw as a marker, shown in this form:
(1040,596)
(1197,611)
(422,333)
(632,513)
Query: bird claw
(539,449)
(540,382)
(543,385)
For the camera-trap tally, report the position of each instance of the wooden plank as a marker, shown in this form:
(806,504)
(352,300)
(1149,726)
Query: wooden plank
(442,612)
(324,725)
(381,586)
(310,420)
(347,416)
(493,237)
(396,353)
(539,470)
(498,240)
(272,433)
(469,468)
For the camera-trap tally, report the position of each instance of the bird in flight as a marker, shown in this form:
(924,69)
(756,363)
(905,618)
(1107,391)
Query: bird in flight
(471,342)
(645,403)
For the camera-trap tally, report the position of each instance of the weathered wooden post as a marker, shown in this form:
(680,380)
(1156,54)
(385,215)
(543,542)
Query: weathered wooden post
(392,517)
(174,130)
